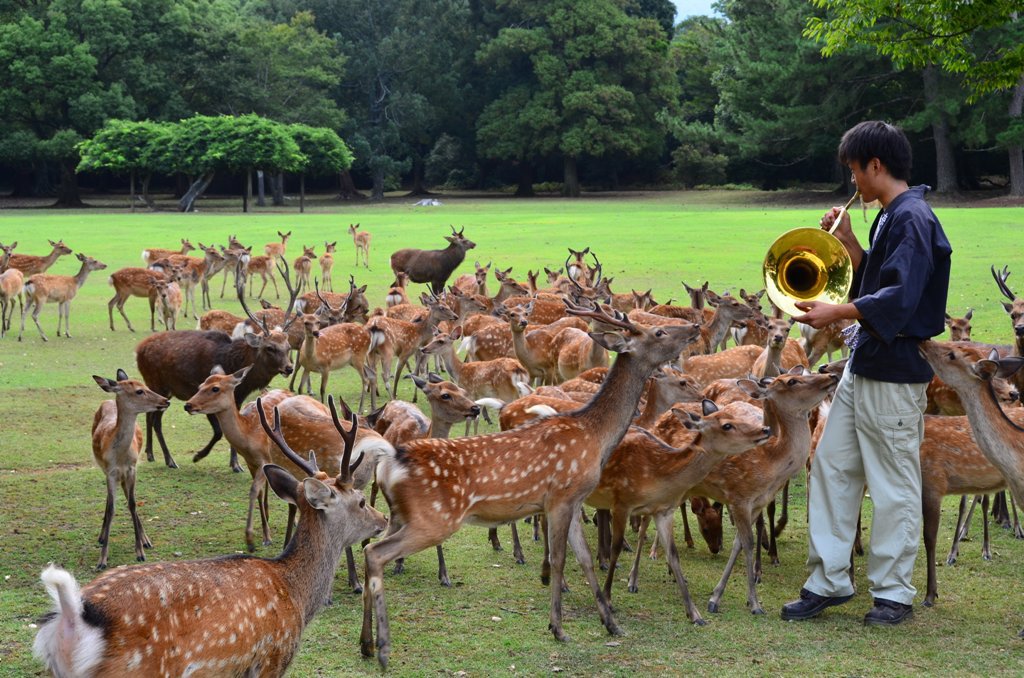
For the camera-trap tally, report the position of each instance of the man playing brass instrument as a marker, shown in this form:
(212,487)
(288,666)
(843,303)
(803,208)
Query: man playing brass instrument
(874,429)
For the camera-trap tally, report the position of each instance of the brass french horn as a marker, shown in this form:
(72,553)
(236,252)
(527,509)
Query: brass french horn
(808,264)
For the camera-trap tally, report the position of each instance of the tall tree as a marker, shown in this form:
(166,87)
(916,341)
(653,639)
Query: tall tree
(592,79)
(983,42)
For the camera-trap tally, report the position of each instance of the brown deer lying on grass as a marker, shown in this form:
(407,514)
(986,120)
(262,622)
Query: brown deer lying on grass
(432,491)
(251,611)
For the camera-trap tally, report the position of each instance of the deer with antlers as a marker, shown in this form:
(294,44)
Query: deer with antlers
(30,264)
(433,266)
(327,264)
(41,288)
(116,441)
(432,491)
(175,363)
(361,239)
(114,627)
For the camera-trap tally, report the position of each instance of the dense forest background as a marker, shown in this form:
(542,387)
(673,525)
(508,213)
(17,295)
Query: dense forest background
(488,94)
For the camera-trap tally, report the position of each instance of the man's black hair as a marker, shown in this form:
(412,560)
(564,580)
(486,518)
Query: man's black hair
(877,139)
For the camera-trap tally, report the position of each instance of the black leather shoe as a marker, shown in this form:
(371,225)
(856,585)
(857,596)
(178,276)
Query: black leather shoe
(888,613)
(810,605)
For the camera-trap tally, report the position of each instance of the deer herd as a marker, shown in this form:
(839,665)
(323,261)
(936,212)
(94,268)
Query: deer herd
(678,416)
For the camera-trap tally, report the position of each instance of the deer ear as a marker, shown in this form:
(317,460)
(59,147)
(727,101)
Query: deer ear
(252,339)
(434,378)
(1008,366)
(282,482)
(708,406)
(797,369)
(949,318)
(456,333)
(217,369)
(970,311)
(420,383)
(613,341)
(240,374)
(986,369)
(317,494)
(121,375)
(751,388)
(108,385)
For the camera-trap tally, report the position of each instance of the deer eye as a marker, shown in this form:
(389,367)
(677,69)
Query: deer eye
(726,427)
(215,389)
(952,356)
(362,503)
(446,397)
(659,333)
(791,382)
(138,391)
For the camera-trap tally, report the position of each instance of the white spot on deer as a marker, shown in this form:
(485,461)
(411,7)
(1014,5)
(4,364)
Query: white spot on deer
(574,466)
(559,465)
(436,505)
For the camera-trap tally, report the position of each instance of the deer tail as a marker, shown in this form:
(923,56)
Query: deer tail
(491,403)
(541,410)
(521,380)
(67,643)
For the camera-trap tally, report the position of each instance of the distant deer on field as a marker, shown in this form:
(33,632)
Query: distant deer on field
(327,265)
(42,288)
(303,266)
(253,611)
(362,243)
(12,282)
(116,442)
(30,265)
(151,254)
(276,249)
(433,266)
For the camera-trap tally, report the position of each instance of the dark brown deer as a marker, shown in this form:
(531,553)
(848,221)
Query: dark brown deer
(175,363)
(248,614)
(550,466)
(433,266)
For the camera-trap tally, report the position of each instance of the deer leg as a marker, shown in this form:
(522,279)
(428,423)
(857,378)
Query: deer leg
(783,520)
(255,493)
(557,530)
(290,525)
(141,540)
(614,525)
(634,573)
(962,523)
(762,536)
(1018,533)
(517,547)
(442,569)
(687,536)
(353,575)
(149,436)
(492,536)
(578,542)
(323,388)
(773,546)
(602,520)
(35,318)
(986,553)
(716,595)
(273,279)
(217,434)
(930,518)
(108,517)
(158,428)
(663,523)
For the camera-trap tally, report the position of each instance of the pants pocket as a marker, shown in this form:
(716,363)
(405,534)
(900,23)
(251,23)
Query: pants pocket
(900,432)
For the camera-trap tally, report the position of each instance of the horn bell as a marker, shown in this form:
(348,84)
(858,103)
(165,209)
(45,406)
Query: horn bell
(807,264)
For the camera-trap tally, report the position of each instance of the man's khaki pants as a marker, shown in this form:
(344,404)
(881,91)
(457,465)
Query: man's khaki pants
(873,436)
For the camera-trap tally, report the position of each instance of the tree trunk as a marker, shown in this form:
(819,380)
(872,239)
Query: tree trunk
(187,202)
(378,185)
(67,194)
(261,196)
(247,193)
(418,186)
(571,179)
(945,165)
(277,189)
(348,190)
(131,190)
(524,189)
(145,192)
(302,193)
(1017,152)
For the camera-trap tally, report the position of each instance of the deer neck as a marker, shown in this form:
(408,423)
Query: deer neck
(773,363)
(1001,440)
(717,329)
(236,428)
(610,412)
(792,434)
(695,461)
(452,363)
(309,562)
(438,427)
(653,406)
(124,432)
(82,274)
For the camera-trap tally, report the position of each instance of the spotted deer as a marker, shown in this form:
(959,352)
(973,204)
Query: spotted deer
(30,264)
(327,264)
(151,254)
(646,476)
(1000,438)
(131,282)
(116,442)
(41,288)
(303,266)
(433,491)
(249,613)
(326,349)
(12,282)
(361,239)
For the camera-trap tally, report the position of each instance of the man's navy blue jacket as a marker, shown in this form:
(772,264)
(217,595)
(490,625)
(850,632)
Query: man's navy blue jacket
(900,290)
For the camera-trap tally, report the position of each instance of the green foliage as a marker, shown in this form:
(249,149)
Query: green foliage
(980,41)
(323,149)
(120,146)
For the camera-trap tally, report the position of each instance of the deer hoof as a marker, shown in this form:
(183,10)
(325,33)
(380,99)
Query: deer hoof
(700,621)
(713,606)
(634,589)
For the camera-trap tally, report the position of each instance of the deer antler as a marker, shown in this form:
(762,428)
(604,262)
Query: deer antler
(293,294)
(259,322)
(598,313)
(275,434)
(597,268)
(349,437)
(1001,277)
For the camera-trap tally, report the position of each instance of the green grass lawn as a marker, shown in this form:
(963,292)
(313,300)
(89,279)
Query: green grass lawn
(493,620)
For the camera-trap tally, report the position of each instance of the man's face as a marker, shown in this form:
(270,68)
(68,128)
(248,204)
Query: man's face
(865,178)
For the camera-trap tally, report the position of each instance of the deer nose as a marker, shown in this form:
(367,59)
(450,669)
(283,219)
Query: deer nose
(287,370)
(1018,330)
(188,408)
(474,411)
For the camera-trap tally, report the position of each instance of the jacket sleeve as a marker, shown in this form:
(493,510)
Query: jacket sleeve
(903,276)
